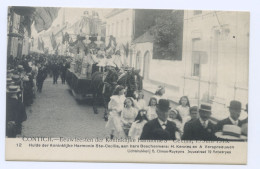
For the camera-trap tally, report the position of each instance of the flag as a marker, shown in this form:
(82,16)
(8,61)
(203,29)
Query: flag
(53,41)
(44,17)
(42,43)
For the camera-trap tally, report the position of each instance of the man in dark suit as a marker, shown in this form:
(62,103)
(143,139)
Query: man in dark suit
(15,112)
(202,128)
(234,110)
(55,72)
(160,128)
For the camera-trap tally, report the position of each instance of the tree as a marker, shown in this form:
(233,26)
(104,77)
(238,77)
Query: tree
(168,34)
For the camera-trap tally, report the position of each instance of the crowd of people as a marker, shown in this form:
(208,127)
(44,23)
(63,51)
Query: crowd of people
(134,118)
(25,77)
(129,117)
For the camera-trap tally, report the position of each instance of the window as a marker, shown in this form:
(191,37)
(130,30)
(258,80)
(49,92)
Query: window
(197,12)
(196,58)
(196,69)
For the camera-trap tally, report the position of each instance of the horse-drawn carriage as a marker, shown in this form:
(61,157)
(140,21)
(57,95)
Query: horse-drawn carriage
(100,86)
(79,86)
(96,70)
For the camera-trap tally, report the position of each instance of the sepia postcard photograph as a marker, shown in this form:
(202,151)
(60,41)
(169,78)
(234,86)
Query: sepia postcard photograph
(136,85)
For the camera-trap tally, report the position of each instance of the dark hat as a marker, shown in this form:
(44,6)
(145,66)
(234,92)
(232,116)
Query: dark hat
(235,105)
(163,105)
(205,108)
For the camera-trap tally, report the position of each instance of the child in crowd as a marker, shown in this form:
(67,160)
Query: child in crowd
(140,102)
(115,107)
(184,109)
(151,110)
(175,117)
(137,126)
(193,115)
(128,114)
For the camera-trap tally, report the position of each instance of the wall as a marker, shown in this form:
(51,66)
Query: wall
(120,26)
(223,62)
(224,38)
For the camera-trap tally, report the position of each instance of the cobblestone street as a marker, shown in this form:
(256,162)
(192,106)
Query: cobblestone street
(55,113)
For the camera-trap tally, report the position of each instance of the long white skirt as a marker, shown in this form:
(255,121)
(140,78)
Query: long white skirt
(114,124)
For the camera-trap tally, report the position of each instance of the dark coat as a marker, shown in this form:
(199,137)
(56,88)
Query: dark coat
(153,126)
(55,69)
(63,69)
(42,74)
(15,111)
(221,123)
(195,131)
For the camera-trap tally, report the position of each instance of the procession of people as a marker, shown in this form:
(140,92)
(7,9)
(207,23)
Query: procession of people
(25,78)
(129,116)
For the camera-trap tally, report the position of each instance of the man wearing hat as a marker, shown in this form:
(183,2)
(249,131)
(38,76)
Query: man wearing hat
(15,112)
(55,72)
(234,110)
(151,128)
(110,80)
(202,128)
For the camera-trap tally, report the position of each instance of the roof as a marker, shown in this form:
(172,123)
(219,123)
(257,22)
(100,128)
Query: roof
(146,37)
(114,12)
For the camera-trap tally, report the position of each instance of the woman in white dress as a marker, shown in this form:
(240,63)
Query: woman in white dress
(115,107)
(151,109)
(137,126)
(128,114)
(184,109)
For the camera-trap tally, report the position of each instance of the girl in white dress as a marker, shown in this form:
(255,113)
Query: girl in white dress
(115,107)
(140,102)
(175,117)
(151,109)
(128,114)
(137,126)
(184,109)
